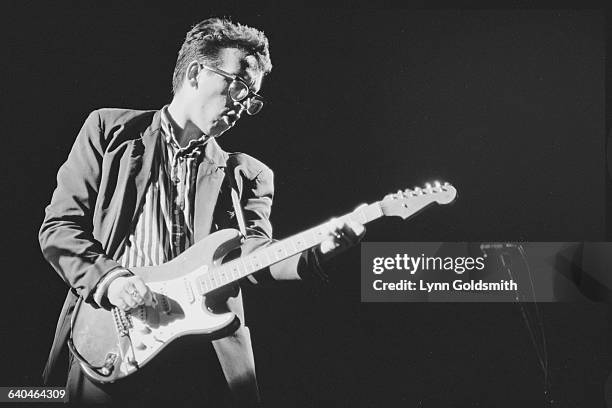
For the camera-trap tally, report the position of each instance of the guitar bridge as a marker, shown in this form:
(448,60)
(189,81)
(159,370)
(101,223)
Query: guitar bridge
(123,321)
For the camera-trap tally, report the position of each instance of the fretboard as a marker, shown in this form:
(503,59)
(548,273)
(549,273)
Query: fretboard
(278,251)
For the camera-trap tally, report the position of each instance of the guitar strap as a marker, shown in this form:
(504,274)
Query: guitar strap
(240,375)
(238,210)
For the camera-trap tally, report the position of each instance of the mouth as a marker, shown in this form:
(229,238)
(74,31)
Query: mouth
(230,118)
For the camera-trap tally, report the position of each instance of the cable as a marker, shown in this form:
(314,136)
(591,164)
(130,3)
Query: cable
(540,349)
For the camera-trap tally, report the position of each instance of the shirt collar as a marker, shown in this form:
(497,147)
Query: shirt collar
(170,136)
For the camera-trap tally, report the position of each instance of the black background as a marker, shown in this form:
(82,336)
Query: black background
(508,105)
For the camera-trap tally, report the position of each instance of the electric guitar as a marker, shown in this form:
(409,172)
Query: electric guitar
(114,344)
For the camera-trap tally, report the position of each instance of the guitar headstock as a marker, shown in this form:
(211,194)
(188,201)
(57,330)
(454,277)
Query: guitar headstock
(406,203)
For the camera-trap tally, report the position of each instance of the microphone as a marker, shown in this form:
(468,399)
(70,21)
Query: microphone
(497,245)
(503,256)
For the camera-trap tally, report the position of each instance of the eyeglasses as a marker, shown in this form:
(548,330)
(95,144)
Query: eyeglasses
(239,91)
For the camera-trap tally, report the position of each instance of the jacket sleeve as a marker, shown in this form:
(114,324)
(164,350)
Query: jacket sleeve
(257,199)
(66,235)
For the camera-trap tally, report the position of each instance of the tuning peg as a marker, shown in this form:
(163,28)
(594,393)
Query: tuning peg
(437,184)
(418,191)
(428,187)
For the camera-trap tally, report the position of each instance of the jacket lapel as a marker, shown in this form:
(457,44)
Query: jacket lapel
(142,159)
(211,173)
(114,226)
(234,351)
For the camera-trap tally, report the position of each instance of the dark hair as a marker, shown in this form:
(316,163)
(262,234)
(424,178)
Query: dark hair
(207,38)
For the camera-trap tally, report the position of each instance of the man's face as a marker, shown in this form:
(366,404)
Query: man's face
(211,108)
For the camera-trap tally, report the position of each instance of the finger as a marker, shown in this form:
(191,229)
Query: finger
(334,225)
(143,292)
(327,246)
(135,295)
(138,299)
(357,228)
(122,305)
(129,300)
(119,303)
(345,240)
(352,233)
(148,298)
(140,286)
(346,237)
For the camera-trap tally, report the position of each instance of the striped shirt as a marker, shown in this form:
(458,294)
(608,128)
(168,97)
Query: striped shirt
(164,225)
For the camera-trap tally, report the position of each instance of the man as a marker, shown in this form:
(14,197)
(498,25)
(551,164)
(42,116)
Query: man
(140,187)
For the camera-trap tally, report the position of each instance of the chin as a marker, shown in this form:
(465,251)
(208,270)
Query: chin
(219,129)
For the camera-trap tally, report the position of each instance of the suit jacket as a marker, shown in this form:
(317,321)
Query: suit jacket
(99,190)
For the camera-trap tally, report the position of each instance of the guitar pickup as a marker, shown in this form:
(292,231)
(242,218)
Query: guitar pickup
(190,295)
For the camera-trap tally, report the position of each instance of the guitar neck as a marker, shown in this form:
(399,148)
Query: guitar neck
(280,250)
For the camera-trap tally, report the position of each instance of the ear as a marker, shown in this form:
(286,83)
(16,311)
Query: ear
(191,74)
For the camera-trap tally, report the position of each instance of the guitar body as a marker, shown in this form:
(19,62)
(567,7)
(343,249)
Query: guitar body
(115,344)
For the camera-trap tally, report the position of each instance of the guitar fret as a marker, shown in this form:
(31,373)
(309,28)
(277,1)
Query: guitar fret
(267,260)
(373,212)
(299,243)
(361,216)
(223,278)
(271,252)
(304,240)
(235,270)
(242,268)
(215,278)
(287,248)
(321,233)
(255,261)
(247,267)
(313,237)
(208,282)
(280,251)
(213,281)
(201,286)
